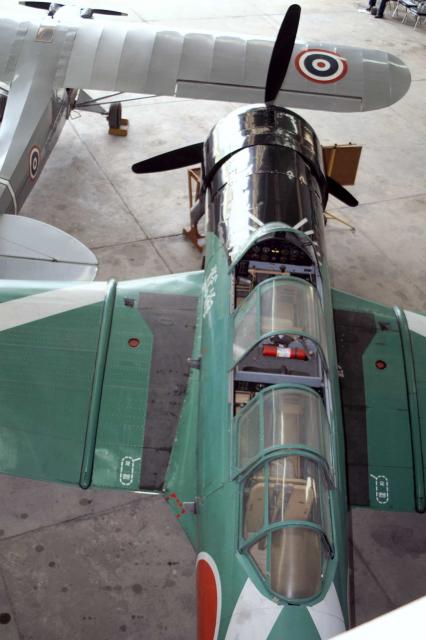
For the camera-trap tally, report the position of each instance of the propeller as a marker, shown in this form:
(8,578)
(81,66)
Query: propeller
(183,157)
(277,71)
(88,12)
(339,192)
(281,53)
(52,8)
(278,65)
(37,5)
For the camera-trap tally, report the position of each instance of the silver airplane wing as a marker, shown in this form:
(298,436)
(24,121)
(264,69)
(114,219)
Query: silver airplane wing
(141,58)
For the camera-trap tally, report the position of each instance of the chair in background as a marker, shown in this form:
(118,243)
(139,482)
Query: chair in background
(391,5)
(406,5)
(419,12)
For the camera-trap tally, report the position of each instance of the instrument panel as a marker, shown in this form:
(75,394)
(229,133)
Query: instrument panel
(277,250)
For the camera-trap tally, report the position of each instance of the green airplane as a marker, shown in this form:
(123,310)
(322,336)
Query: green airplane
(223,389)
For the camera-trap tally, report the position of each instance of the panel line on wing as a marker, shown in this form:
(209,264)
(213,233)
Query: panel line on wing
(281,92)
(47,259)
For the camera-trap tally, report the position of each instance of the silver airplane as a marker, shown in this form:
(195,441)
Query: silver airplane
(49,60)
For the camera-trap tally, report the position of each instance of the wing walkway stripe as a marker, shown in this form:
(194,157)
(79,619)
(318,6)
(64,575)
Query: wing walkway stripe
(416,322)
(15,313)
(254,615)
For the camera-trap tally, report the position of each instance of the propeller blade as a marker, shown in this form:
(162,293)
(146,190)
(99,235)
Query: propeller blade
(109,12)
(36,5)
(183,157)
(339,192)
(56,5)
(282,52)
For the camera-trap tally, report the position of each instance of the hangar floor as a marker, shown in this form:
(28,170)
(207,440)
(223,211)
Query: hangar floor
(111,565)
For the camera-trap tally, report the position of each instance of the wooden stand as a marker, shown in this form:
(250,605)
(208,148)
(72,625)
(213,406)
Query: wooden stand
(341,163)
(332,216)
(194,186)
(122,130)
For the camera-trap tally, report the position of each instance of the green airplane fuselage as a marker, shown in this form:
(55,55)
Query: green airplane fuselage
(270,508)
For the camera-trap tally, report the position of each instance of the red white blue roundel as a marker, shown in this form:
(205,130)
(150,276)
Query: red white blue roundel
(320,65)
(34,160)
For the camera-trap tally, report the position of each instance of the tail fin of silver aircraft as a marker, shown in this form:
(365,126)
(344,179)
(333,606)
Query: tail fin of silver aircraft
(34,250)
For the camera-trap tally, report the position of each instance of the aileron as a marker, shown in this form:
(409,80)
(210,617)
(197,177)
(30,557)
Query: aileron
(381,398)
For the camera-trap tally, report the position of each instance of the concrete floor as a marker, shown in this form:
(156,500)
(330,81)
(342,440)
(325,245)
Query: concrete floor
(105,565)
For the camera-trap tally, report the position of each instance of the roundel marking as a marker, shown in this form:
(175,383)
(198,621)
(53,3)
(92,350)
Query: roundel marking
(34,160)
(209,597)
(321,65)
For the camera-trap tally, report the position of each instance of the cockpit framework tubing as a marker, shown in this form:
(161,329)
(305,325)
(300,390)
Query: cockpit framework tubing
(280,455)
(313,307)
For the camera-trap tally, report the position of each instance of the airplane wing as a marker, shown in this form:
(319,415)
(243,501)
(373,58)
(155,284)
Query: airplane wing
(143,59)
(103,369)
(382,353)
(135,57)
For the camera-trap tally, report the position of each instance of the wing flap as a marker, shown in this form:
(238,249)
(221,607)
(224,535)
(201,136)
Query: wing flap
(144,385)
(288,98)
(379,406)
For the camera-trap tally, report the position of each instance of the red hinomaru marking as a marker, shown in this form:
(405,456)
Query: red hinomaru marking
(207,601)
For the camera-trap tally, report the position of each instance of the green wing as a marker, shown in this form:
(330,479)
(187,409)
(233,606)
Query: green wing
(382,354)
(93,378)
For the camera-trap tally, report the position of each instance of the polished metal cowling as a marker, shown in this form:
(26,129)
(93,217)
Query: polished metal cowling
(263,164)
